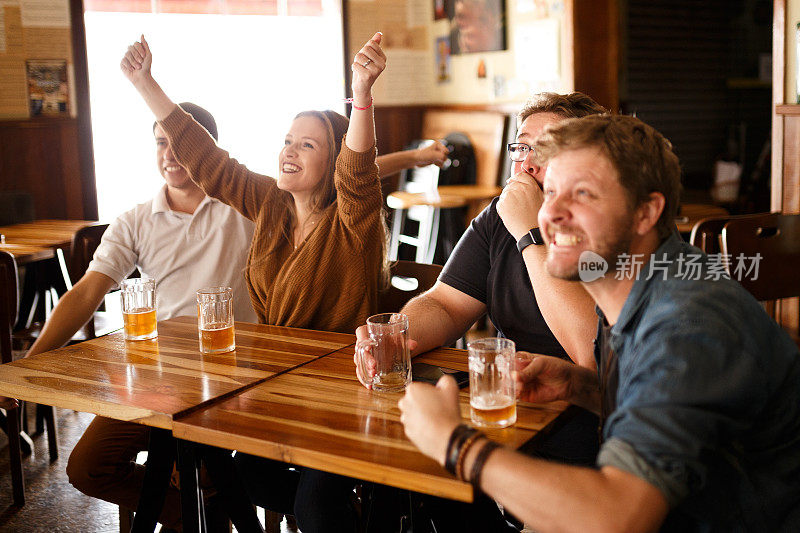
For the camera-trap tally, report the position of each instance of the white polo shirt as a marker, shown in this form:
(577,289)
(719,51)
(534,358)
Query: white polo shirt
(182,252)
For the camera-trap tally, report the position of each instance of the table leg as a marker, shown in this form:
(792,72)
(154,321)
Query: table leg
(160,458)
(222,471)
(191,498)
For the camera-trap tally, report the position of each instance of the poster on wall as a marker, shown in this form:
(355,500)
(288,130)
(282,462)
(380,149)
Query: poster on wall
(440,9)
(48,89)
(442,59)
(477,26)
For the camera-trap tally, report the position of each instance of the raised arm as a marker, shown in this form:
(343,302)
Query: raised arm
(367,65)
(434,153)
(209,166)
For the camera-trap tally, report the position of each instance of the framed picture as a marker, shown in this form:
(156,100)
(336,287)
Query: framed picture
(477,26)
(48,89)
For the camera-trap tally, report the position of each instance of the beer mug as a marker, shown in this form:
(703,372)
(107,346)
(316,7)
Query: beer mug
(388,346)
(139,308)
(215,320)
(492,398)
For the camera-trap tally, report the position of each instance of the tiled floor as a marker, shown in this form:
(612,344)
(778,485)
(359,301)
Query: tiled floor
(51,503)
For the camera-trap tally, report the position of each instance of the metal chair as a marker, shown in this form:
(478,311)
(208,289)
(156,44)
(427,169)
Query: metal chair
(408,279)
(9,300)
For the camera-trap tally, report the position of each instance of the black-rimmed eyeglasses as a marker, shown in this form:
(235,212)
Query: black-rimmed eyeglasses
(519,151)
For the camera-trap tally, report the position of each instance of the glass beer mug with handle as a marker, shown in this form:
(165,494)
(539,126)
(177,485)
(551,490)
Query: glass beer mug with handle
(491,389)
(387,345)
(139,308)
(215,320)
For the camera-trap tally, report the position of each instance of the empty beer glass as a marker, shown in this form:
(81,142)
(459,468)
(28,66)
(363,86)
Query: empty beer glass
(139,308)
(215,320)
(491,390)
(388,346)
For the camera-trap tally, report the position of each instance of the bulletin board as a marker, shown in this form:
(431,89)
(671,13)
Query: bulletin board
(32,30)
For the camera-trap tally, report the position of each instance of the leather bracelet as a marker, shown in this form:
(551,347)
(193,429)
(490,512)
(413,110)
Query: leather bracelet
(462,452)
(480,460)
(457,437)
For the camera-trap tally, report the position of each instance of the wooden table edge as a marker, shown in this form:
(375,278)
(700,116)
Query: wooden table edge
(47,396)
(455,489)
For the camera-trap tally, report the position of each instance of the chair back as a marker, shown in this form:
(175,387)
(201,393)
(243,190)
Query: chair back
(9,301)
(84,243)
(408,279)
(776,238)
(706,234)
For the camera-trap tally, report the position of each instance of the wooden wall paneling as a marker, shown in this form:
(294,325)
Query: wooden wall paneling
(84,122)
(789,309)
(395,128)
(778,98)
(41,157)
(596,50)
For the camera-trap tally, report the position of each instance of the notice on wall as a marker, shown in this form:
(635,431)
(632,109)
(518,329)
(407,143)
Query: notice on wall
(537,54)
(45,13)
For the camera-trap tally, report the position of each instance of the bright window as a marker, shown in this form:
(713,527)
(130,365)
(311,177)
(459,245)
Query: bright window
(252,72)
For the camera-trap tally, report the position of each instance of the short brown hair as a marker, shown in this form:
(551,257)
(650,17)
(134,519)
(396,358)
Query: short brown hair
(572,105)
(642,157)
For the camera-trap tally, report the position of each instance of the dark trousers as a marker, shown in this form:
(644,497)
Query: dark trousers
(103,466)
(320,502)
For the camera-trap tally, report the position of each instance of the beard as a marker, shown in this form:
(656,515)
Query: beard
(616,242)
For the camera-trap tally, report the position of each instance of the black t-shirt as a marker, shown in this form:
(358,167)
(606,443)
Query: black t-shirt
(487,266)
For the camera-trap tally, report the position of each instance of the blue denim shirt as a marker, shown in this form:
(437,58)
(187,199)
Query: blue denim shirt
(707,407)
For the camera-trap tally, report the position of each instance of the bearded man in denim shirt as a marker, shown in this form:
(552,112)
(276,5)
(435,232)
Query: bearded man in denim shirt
(697,388)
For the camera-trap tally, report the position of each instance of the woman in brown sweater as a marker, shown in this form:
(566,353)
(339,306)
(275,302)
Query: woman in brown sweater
(318,252)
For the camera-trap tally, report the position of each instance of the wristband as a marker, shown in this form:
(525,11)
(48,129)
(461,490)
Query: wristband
(534,236)
(457,437)
(353,103)
(480,460)
(462,452)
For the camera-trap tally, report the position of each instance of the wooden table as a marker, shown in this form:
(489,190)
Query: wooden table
(319,416)
(151,382)
(28,253)
(36,244)
(447,196)
(284,393)
(46,233)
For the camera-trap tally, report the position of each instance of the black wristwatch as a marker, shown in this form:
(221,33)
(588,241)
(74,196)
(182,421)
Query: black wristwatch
(534,236)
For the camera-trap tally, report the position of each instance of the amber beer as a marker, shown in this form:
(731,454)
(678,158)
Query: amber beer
(139,308)
(215,320)
(494,412)
(139,323)
(217,338)
(491,389)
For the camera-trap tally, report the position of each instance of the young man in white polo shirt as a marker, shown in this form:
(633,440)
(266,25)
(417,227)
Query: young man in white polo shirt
(184,240)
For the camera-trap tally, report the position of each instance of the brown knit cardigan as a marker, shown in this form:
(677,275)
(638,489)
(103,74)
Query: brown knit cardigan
(330,282)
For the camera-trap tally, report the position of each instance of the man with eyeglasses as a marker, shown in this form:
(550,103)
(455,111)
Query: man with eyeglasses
(497,268)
